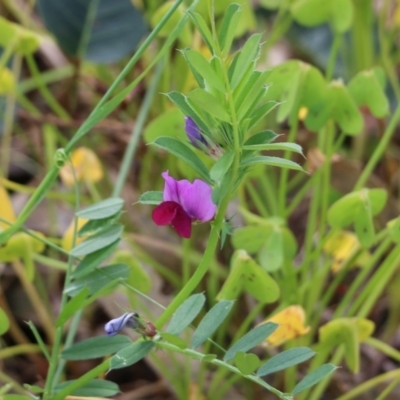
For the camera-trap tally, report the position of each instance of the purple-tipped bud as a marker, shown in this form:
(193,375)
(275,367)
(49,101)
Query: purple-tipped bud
(117,324)
(193,132)
(199,141)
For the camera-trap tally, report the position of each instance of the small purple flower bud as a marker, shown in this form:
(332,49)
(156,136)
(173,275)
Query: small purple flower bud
(117,324)
(193,132)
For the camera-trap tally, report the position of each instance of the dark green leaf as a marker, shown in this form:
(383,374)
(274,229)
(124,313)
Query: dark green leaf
(98,279)
(94,388)
(96,347)
(131,354)
(93,260)
(96,30)
(98,241)
(186,313)
(103,209)
(251,339)
(310,380)
(152,197)
(185,153)
(210,323)
(285,360)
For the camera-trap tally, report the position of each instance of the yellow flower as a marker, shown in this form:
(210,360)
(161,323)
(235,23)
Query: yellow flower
(291,321)
(86,165)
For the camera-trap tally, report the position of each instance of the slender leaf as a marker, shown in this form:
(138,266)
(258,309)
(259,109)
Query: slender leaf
(93,260)
(131,354)
(221,167)
(204,30)
(210,323)
(96,226)
(185,153)
(251,339)
(204,100)
(103,209)
(228,27)
(275,146)
(273,161)
(98,241)
(310,380)
(96,347)
(98,279)
(186,313)
(94,388)
(285,360)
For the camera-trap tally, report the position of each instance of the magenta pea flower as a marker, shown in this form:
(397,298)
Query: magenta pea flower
(184,203)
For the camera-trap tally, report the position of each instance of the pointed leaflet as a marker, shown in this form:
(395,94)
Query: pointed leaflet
(228,27)
(98,241)
(204,30)
(95,388)
(210,323)
(273,161)
(312,379)
(95,226)
(275,146)
(247,56)
(285,360)
(251,339)
(96,347)
(131,354)
(186,313)
(185,153)
(98,279)
(103,209)
(72,307)
(221,167)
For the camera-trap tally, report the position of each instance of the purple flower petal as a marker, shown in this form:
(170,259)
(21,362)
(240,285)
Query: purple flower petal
(170,212)
(117,324)
(173,188)
(196,200)
(193,132)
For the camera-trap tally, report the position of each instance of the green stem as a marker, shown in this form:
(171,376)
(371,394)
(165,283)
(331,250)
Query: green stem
(137,130)
(380,150)
(44,91)
(337,40)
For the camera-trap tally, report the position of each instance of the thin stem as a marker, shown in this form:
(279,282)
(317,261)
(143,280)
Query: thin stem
(137,130)
(380,150)
(337,40)
(44,91)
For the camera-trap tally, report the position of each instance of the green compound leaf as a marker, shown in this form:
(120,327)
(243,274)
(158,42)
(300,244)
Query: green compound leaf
(210,323)
(152,197)
(251,339)
(131,354)
(98,241)
(185,153)
(93,260)
(310,380)
(72,307)
(204,69)
(285,360)
(99,279)
(94,388)
(96,347)
(96,226)
(367,90)
(186,313)
(273,161)
(204,30)
(103,209)
(246,363)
